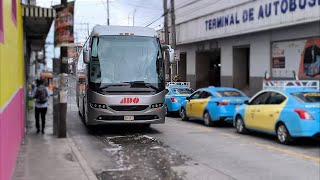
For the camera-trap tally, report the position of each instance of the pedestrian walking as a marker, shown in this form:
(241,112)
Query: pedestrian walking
(41,95)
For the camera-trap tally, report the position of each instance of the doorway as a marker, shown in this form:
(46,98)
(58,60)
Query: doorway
(241,68)
(208,68)
(182,67)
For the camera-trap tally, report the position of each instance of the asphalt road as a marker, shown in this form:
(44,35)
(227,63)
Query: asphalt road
(189,150)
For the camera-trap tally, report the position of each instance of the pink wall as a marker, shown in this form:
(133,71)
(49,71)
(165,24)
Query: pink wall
(11,133)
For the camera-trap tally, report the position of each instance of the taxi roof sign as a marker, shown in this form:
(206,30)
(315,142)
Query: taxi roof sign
(278,84)
(178,84)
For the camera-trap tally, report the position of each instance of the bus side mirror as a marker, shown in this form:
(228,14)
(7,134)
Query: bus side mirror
(246,102)
(170,53)
(86,56)
(188,98)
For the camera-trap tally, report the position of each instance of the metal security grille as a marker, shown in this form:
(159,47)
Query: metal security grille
(129,108)
(33,11)
(117,118)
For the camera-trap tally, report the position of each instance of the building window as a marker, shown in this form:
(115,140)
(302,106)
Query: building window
(1,22)
(14,11)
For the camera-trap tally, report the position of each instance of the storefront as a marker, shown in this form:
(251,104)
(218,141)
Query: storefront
(236,43)
(11,86)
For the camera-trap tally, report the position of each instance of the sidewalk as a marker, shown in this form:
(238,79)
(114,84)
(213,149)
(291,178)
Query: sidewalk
(45,157)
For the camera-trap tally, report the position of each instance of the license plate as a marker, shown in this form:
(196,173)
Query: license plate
(128,118)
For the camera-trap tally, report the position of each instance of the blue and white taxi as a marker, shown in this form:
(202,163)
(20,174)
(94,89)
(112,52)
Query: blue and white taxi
(176,94)
(212,104)
(287,109)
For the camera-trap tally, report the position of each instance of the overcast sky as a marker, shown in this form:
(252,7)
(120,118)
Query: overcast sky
(88,13)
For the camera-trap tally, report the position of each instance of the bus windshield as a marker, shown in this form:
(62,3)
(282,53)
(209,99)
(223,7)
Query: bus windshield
(119,59)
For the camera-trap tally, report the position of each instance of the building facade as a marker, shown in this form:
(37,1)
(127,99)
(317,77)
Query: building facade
(236,43)
(11,85)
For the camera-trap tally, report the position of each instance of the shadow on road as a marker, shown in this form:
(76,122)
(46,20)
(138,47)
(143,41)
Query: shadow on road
(219,124)
(122,130)
(298,142)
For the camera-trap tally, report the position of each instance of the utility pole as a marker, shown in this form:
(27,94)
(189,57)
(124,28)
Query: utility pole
(166,36)
(62,129)
(108,13)
(133,16)
(56,109)
(173,34)
(36,65)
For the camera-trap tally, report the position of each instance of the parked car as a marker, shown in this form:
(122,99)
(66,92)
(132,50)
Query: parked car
(288,113)
(212,104)
(176,94)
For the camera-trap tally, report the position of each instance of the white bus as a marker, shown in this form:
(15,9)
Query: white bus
(121,76)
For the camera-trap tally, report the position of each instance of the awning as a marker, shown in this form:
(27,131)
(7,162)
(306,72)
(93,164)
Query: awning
(37,22)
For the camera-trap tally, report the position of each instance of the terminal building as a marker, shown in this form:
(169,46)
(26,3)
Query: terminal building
(236,43)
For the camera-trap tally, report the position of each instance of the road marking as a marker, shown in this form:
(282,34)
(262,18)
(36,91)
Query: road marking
(203,129)
(288,152)
(230,135)
(196,127)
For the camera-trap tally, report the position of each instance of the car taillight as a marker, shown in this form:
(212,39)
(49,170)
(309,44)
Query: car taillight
(223,103)
(173,99)
(303,114)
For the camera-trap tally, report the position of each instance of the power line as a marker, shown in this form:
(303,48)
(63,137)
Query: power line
(188,4)
(155,21)
(198,8)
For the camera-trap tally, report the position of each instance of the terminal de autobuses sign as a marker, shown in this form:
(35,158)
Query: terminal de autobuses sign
(250,17)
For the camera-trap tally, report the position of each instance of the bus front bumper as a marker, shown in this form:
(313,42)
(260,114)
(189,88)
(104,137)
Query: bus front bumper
(150,116)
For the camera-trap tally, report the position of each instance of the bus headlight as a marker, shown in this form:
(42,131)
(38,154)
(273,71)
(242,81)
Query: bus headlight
(98,106)
(156,105)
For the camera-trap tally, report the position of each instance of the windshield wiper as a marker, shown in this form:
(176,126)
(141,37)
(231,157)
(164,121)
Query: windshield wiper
(143,84)
(112,85)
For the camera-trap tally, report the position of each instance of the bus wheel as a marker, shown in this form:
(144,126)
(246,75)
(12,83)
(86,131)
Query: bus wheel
(84,115)
(145,127)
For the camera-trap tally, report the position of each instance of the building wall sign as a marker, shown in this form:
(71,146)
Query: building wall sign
(302,56)
(64,25)
(250,17)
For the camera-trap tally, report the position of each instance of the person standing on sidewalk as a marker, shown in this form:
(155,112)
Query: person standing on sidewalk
(41,95)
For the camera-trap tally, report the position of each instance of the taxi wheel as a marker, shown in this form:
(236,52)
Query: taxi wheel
(207,119)
(283,134)
(183,114)
(241,128)
(167,111)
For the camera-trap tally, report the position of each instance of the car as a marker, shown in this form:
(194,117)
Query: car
(287,113)
(212,104)
(176,94)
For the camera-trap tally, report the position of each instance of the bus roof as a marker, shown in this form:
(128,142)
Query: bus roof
(100,30)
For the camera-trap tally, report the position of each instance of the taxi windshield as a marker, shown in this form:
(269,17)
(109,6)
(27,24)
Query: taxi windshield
(182,91)
(229,94)
(308,97)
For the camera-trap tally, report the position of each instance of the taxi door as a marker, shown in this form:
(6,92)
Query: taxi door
(193,99)
(268,113)
(253,109)
(200,104)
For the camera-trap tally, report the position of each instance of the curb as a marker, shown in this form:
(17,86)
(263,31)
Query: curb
(83,163)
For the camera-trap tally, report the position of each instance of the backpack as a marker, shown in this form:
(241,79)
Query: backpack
(41,94)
